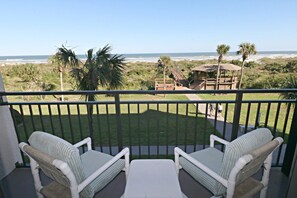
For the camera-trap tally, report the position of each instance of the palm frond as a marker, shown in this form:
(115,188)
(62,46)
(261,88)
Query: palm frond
(291,83)
(101,68)
(66,57)
(246,49)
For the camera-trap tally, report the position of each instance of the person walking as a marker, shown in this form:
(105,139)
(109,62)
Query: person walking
(211,109)
(220,108)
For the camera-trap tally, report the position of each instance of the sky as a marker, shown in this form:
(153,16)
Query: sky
(35,27)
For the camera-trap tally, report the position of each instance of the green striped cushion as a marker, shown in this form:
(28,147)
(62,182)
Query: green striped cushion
(61,150)
(210,157)
(93,160)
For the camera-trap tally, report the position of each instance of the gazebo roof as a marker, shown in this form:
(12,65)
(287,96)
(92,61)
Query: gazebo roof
(214,67)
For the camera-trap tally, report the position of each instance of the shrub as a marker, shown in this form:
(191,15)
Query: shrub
(236,62)
(291,83)
(257,81)
(147,85)
(274,81)
(274,67)
(27,72)
(250,64)
(291,66)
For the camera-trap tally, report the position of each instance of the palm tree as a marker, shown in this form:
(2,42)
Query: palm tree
(163,62)
(291,83)
(101,68)
(64,57)
(245,49)
(222,50)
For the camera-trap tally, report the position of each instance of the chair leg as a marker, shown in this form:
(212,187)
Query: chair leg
(35,173)
(127,161)
(263,192)
(74,192)
(265,177)
(39,195)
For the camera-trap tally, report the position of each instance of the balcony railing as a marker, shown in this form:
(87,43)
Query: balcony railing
(150,124)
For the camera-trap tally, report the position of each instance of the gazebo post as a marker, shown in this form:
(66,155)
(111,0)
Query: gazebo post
(206,68)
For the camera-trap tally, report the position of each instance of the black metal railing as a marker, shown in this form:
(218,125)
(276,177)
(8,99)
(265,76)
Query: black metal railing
(150,124)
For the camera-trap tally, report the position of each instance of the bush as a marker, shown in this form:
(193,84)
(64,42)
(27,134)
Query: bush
(290,83)
(274,67)
(236,62)
(274,81)
(256,81)
(291,66)
(251,81)
(147,85)
(250,64)
(27,72)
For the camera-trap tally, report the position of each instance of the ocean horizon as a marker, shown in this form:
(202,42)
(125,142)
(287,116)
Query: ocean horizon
(153,57)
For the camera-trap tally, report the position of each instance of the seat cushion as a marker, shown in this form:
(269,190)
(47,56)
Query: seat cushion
(210,157)
(92,161)
(61,150)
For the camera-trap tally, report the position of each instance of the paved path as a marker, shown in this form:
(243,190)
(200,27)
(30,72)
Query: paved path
(218,123)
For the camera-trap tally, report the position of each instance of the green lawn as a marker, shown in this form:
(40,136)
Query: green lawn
(141,124)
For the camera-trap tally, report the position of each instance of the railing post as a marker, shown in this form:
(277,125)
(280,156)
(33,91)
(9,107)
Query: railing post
(236,116)
(291,145)
(90,123)
(118,120)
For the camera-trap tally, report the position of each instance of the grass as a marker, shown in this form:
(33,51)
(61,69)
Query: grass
(274,122)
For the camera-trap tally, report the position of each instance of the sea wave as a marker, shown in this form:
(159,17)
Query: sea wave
(9,60)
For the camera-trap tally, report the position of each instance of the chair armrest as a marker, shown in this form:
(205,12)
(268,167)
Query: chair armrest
(87,141)
(214,138)
(87,181)
(204,168)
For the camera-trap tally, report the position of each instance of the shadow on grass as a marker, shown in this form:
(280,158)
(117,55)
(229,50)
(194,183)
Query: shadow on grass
(148,128)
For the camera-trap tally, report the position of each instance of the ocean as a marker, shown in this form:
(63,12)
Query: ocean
(153,57)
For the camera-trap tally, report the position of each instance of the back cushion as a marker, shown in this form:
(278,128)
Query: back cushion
(242,146)
(59,149)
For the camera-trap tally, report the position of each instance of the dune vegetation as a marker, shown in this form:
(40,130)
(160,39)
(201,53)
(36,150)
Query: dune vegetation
(263,74)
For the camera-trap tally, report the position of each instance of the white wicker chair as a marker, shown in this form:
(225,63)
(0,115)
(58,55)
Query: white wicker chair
(73,175)
(230,173)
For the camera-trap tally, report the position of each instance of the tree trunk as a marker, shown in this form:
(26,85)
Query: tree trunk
(61,83)
(164,81)
(218,74)
(241,75)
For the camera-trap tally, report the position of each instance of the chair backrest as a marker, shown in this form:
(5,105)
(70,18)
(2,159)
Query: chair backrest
(239,147)
(258,158)
(45,162)
(62,150)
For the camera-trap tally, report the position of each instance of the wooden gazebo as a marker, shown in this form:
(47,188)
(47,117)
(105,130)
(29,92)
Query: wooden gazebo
(204,77)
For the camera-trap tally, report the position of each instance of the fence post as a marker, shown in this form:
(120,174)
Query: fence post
(236,116)
(291,145)
(118,120)
(90,123)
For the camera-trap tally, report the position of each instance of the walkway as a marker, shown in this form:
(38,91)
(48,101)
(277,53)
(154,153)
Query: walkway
(218,123)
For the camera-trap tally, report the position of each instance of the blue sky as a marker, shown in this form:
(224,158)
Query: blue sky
(35,27)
